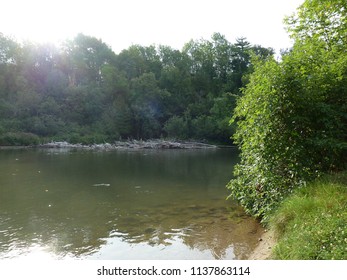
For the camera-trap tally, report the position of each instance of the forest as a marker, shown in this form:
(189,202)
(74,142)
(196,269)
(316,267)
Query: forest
(82,92)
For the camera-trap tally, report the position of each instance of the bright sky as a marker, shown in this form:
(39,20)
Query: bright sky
(120,23)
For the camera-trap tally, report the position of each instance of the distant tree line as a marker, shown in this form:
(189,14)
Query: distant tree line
(84,92)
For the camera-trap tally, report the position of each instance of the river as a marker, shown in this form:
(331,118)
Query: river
(131,204)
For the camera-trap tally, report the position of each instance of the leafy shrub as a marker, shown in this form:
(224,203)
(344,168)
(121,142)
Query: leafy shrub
(19,139)
(291,125)
(177,127)
(93,139)
(292,116)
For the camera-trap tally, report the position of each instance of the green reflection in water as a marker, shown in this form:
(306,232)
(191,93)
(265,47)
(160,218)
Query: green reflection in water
(148,204)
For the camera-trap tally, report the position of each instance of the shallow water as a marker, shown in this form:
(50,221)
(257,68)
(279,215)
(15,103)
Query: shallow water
(145,204)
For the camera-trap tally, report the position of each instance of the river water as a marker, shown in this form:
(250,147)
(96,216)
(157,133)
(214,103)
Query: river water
(134,204)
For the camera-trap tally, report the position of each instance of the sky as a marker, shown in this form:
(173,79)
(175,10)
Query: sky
(121,23)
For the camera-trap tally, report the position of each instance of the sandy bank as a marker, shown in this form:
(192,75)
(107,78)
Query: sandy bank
(264,248)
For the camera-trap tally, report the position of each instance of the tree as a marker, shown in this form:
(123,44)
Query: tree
(202,66)
(175,78)
(117,117)
(9,55)
(8,50)
(85,57)
(325,20)
(240,61)
(137,60)
(146,103)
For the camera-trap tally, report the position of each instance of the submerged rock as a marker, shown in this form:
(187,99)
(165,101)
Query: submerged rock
(102,185)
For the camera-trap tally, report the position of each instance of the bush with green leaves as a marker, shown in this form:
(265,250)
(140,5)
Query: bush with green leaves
(292,123)
(18,139)
(177,127)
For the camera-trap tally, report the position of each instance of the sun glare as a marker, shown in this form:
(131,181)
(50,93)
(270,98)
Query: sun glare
(38,254)
(122,23)
(41,21)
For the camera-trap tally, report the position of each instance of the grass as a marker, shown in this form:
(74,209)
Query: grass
(312,223)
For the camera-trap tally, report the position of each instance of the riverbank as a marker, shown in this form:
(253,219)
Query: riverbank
(264,249)
(121,145)
(133,144)
(310,224)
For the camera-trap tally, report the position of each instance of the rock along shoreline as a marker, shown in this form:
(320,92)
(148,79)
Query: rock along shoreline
(131,144)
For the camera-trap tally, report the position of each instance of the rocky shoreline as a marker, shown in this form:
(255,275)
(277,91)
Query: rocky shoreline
(131,144)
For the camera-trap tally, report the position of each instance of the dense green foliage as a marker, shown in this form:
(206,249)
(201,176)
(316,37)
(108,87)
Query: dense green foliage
(83,92)
(311,224)
(292,116)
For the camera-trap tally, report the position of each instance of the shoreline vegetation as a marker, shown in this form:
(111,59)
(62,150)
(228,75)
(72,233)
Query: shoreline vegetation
(291,129)
(310,224)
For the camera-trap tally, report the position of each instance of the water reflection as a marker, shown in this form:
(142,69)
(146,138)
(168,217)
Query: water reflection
(121,205)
